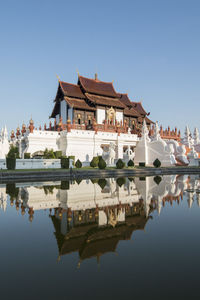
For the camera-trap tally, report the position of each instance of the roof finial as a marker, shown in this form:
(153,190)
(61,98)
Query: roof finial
(58,77)
(95,76)
(77,73)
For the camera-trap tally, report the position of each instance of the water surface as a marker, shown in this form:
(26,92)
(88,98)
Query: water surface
(101,239)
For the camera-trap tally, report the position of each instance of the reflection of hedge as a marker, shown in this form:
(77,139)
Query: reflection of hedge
(10,163)
(130,163)
(94,180)
(157,163)
(78,164)
(130,179)
(48,189)
(64,163)
(142,179)
(12,191)
(121,181)
(94,162)
(64,185)
(102,183)
(120,164)
(78,180)
(141,164)
(102,164)
(157,179)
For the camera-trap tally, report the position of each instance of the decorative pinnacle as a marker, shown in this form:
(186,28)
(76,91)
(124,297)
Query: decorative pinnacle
(58,77)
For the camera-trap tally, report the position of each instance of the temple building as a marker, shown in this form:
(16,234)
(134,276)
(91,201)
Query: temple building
(92,100)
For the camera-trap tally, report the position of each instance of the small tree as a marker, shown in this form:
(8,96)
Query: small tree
(120,164)
(78,164)
(157,163)
(13,152)
(130,163)
(102,164)
(94,162)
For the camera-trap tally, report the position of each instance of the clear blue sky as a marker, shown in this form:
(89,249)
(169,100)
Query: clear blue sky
(150,48)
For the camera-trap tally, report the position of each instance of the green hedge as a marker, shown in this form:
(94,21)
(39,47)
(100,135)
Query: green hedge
(120,164)
(10,163)
(58,154)
(102,164)
(141,164)
(94,162)
(27,155)
(130,163)
(157,163)
(78,164)
(64,162)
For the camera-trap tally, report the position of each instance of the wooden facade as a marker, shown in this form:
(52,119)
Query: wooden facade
(87,97)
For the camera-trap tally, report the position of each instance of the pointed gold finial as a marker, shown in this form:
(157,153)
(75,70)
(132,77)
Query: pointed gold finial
(58,77)
(77,73)
(113,81)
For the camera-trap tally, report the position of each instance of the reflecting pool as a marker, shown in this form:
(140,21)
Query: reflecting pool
(101,238)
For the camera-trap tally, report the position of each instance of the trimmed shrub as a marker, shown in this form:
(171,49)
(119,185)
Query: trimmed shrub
(12,191)
(27,155)
(64,185)
(94,162)
(120,164)
(102,183)
(130,163)
(157,179)
(157,163)
(13,152)
(10,163)
(49,154)
(141,164)
(58,154)
(142,179)
(121,181)
(78,164)
(102,164)
(64,162)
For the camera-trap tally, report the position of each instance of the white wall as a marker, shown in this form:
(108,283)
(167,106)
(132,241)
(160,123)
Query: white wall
(63,108)
(119,116)
(2,164)
(101,115)
(38,164)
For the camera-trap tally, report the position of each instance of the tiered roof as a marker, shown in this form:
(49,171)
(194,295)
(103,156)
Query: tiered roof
(88,93)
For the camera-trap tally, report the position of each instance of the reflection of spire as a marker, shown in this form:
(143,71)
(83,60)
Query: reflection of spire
(190,199)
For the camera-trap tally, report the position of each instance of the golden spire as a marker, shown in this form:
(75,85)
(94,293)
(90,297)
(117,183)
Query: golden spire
(77,73)
(58,77)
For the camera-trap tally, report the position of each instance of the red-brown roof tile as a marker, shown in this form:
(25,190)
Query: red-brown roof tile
(71,90)
(125,99)
(97,87)
(79,103)
(131,112)
(106,101)
(138,106)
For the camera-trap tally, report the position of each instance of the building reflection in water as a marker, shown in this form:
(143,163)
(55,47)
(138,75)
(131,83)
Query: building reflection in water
(91,216)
